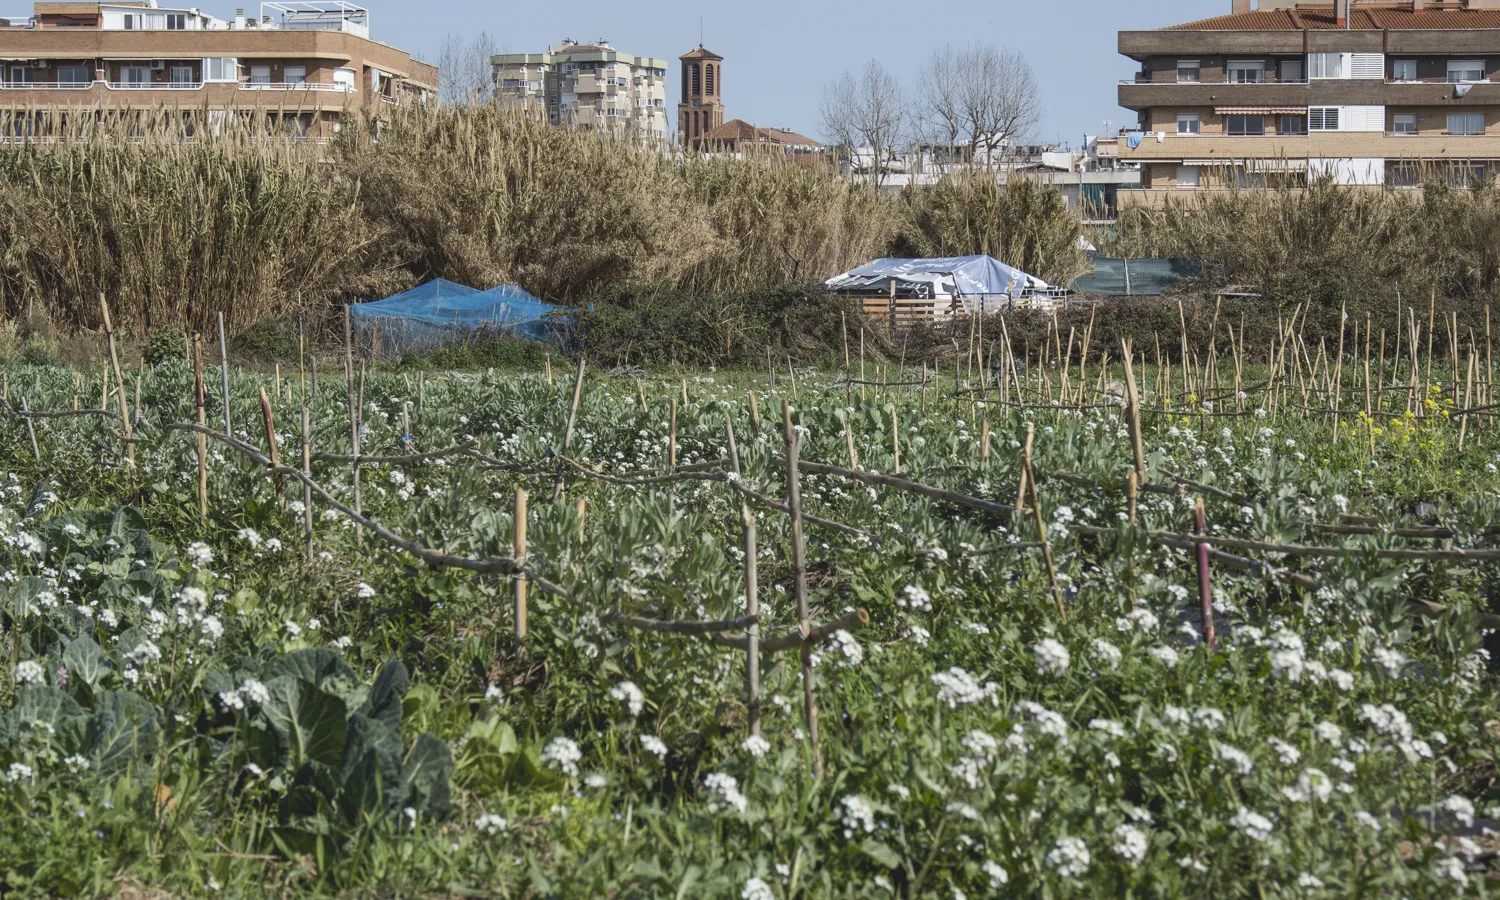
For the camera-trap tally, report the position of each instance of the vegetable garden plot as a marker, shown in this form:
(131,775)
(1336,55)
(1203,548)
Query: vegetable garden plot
(1012,689)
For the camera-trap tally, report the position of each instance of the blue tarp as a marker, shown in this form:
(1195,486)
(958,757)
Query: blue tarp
(957,276)
(441,311)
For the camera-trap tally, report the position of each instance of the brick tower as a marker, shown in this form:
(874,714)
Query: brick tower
(702,106)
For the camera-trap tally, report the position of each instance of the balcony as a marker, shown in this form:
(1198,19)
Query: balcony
(213,94)
(1316,145)
(1141,94)
(297,87)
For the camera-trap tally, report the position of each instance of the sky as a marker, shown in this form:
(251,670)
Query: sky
(778,54)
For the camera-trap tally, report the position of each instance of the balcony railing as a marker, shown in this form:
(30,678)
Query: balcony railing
(152,85)
(334,88)
(1267,80)
(46,85)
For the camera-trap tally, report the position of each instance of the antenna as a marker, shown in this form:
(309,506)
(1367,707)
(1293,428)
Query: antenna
(700,31)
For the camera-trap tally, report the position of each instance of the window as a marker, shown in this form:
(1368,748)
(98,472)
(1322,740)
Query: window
(221,69)
(1466,123)
(1247,71)
(260,74)
(1322,118)
(697,78)
(135,76)
(1405,123)
(1404,175)
(1247,125)
(1460,70)
(20,76)
(1404,70)
(344,78)
(710,75)
(1188,70)
(74,75)
(1291,70)
(129,23)
(1187,177)
(1188,123)
(1292,125)
(176,22)
(1367,65)
(294,74)
(182,76)
(1325,65)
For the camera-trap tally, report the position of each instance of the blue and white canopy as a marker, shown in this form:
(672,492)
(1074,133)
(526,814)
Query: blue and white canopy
(942,277)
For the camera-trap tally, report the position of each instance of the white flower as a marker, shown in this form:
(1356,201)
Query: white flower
(1140,620)
(493,694)
(1164,655)
(1052,658)
(18,771)
(562,754)
(1460,808)
(725,793)
(756,746)
(29,671)
(654,745)
(626,692)
(1108,726)
(1285,752)
(1450,868)
(200,554)
(293,630)
(77,764)
(1341,679)
(490,824)
(956,687)
(1043,719)
(1237,759)
(1367,820)
(1309,881)
(916,597)
(1392,660)
(1130,844)
(1255,826)
(1329,732)
(250,536)
(365,591)
(996,873)
(857,815)
(848,645)
(1311,785)
(1106,653)
(1069,858)
(755,889)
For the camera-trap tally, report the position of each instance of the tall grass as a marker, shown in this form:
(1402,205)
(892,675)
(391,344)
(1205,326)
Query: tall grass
(175,217)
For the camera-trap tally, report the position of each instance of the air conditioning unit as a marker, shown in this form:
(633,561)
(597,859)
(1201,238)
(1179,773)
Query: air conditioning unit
(158,65)
(40,63)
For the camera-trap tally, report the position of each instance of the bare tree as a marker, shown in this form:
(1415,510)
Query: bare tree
(999,100)
(464,69)
(940,91)
(866,114)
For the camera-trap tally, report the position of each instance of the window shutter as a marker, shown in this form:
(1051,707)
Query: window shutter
(1367,65)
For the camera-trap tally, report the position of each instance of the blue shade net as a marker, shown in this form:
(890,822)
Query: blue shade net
(441,312)
(1113,275)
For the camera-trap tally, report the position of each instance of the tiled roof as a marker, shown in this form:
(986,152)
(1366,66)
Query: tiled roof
(1447,18)
(700,53)
(740,130)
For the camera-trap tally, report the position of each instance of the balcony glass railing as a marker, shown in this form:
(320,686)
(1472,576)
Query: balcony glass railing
(1267,79)
(46,85)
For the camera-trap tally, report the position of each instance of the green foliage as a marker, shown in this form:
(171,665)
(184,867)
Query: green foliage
(268,339)
(194,708)
(163,344)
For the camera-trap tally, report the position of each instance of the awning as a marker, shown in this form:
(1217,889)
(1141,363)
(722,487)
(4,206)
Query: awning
(1260,110)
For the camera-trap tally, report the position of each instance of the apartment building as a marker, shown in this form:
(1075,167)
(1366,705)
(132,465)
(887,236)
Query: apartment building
(1367,93)
(305,63)
(592,85)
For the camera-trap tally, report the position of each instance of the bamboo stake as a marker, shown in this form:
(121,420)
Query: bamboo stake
(31,431)
(1041,526)
(114,360)
(799,569)
(1133,401)
(307,499)
(224,376)
(520,556)
(672,437)
(752,592)
(200,396)
(1468,396)
(560,485)
(1205,585)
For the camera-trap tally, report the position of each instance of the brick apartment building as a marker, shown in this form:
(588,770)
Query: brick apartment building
(1368,93)
(592,85)
(304,63)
